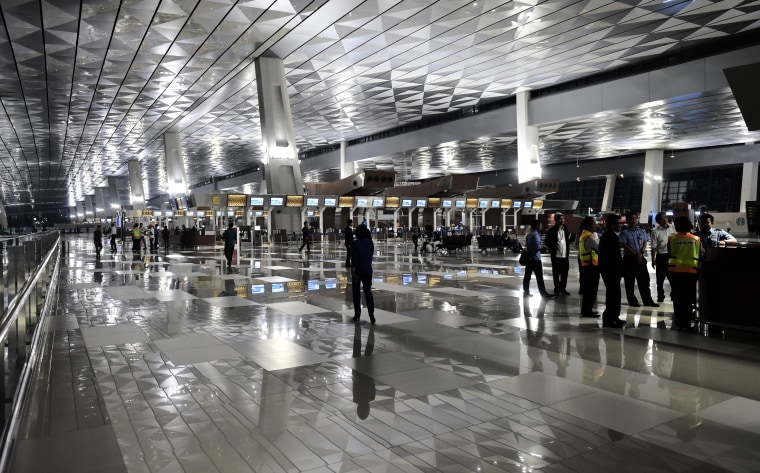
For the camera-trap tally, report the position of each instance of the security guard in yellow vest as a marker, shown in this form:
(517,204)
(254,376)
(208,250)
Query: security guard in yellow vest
(683,267)
(588,248)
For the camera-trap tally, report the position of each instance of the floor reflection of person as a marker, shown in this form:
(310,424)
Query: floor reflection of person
(97,276)
(634,350)
(557,351)
(363,385)
(588,350)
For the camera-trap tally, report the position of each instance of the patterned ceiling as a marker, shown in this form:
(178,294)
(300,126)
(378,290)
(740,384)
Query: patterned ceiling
(87,86)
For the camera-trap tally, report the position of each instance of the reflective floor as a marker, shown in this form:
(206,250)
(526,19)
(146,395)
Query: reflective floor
(177,363)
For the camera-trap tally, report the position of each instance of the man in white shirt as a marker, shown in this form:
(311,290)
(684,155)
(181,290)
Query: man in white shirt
(659,239)
(558,241)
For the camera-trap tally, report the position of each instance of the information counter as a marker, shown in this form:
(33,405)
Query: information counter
(729,287)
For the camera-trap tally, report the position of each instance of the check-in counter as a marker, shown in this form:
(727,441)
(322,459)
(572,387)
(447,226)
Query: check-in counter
(729,286)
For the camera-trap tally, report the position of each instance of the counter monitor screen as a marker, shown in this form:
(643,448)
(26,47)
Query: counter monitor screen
(516,204)
(483,204)
(406,202)
(275,201)
(312,201)
(421,203)
(528,204)
(446,203)
(495,204)
(329,202)
(377,202)
(460,204)
(361,202)
(257,201)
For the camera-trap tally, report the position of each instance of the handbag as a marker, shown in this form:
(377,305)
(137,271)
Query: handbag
(524,258)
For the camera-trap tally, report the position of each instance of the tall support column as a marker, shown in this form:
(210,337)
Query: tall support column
(80,211)
(89,209)
(100,202)
(283,171)
(114,199)
(136,194)
(651,194)
(528,163)
(175,165)
(3,217)
(749,184)
(609,193)
(346,169)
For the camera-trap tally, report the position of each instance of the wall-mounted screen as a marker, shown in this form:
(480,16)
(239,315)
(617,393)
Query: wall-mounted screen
(257,289)
(361,202)
(421,203)
(460,204)
(495,204)
(309,213)
(330,202)
(446,203)
(258,213)
(257,201)
(517,204)
(406,202)
(528,204)
(482,204)
(378,202)
(274,201)
(312,201)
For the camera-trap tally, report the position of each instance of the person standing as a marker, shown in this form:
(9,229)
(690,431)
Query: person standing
(113,238)
(136,239)
(611,269)
(348,234)
(683,269)
(306,238)
(361,272)
(98,240)
(660,235)
(533,246)
(588,248)
(151,236)
(230,240)
(558,241)
(634,240)
(165,233)
(713,237)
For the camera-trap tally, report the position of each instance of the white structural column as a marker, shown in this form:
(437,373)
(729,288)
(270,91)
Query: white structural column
(175,165)
(136,194)
(282,169)
(89,209)
(80,211)
(749,184)
(528,162)
(651,194)
(100,202)
(3,217)
(609,193)
(346,169)
(114,199)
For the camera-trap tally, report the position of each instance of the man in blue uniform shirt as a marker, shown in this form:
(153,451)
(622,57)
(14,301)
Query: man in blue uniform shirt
(713,237)
(634,240)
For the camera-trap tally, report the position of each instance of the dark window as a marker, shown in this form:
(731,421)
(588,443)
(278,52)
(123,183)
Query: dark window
(718,188)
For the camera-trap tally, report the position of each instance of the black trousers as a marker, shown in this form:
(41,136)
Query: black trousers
(348,256)
(612,298)
(113,243)
(589,287)
(306,243)
(534,266)
(363,280)
(560,270)
(228,250)
(636,273)
(684,287)
(661,272)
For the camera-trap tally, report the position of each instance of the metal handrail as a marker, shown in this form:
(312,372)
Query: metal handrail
(9,318)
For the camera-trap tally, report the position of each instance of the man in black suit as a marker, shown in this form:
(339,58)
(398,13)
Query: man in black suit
(611,268)
(306,238)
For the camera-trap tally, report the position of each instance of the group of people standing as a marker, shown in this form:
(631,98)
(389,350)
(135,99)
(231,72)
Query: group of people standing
(621,253)
(147,238)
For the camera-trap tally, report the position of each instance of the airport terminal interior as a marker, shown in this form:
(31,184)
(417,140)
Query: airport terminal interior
(463,117)
(176,362)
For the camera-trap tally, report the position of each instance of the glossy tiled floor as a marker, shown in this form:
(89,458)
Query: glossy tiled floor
(176,363)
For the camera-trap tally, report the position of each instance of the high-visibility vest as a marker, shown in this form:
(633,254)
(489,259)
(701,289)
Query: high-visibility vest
(136,233)
(588,258)
(684,253)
